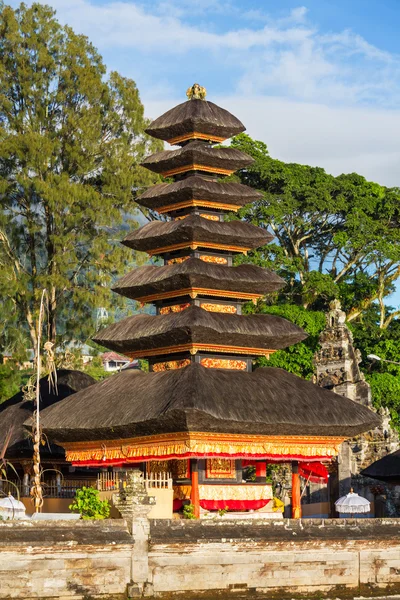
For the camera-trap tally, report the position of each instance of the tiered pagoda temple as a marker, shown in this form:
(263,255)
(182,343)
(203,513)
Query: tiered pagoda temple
(201,410)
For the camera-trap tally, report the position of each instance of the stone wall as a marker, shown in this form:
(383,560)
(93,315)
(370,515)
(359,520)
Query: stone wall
(207,559)
(282,559)
(64,559)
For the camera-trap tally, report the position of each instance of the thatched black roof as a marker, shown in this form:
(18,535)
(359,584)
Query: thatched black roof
(198,187)
(148,280)
(385,469)
(195,325)
(268,401)
(14,412)
(197,153)
(194,228)
(195,115)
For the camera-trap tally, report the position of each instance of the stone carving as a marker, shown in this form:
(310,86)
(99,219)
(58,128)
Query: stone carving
(196,92)
(337,368)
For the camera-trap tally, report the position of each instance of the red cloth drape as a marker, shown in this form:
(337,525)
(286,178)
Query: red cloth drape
(315,472)
(233,504)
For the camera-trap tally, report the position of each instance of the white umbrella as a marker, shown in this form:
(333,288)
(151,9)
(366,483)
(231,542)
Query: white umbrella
(10,508)
(352,504)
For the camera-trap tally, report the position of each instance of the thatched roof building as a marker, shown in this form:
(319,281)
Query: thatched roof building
(208,400)
(201,400)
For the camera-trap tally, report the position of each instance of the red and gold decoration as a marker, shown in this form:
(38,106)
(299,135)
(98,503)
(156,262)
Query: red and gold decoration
(216,260)
(178,469)
(175,308)
(210,217)
(171,364)
(220,468)
(222,363)
(178,260)
(214,445)
(234,497)
(219,308)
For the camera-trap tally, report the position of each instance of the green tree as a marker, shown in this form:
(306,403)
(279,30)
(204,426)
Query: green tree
(71,140)
(297,359)
(88,504)
(334,236)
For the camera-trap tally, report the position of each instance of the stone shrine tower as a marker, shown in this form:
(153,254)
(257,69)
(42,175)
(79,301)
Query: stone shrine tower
(337,362)
(337,369)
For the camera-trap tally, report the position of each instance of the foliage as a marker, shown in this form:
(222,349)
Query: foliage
(88,504)
(334,236)
(385,389)
(223,511)
(11,380)
(71,140)
(296,359)
(188,511)
(96,369)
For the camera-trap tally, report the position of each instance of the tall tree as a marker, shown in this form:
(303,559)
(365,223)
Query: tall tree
(334,236)
(71,140)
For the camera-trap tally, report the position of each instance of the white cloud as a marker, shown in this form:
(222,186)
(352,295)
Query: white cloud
(324,99)
(341,140)
(287,56)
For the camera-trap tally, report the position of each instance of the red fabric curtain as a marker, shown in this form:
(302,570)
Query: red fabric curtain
(315,472)
(233,504)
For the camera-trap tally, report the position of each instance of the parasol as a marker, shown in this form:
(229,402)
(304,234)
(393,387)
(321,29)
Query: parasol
(10,508)
(353,504)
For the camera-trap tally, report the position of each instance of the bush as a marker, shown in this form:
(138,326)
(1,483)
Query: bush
(88,504)
(188,511)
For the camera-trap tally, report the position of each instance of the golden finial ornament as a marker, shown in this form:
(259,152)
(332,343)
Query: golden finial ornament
(196,92)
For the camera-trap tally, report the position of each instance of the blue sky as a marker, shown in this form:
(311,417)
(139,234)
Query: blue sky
(319,82)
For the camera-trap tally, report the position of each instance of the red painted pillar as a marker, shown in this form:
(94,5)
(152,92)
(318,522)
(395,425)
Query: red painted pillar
(194,495)
(296,493)
(261,471)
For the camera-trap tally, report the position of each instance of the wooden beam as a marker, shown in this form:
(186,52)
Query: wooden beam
(296,493)
(194,495)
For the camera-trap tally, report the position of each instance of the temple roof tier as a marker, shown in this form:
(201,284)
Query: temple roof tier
(268,401)
(194,329)
(197,156)
(195,119)
(194,231)
(197,190)
(149,283)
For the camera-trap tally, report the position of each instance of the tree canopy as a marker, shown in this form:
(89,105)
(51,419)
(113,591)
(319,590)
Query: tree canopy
(71,140)
(334,236)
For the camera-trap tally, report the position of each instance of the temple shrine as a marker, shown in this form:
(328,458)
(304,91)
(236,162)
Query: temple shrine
(202,412)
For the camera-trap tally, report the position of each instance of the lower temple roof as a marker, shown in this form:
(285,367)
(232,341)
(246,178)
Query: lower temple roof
(147,335)
(15,411)
(268,401)
(385,469)
(195,230)
(151,280)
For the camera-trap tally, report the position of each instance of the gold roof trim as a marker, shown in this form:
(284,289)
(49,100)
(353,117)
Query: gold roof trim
(197,167)
(194,348)
(193,292)
(195,245)
(202,203)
